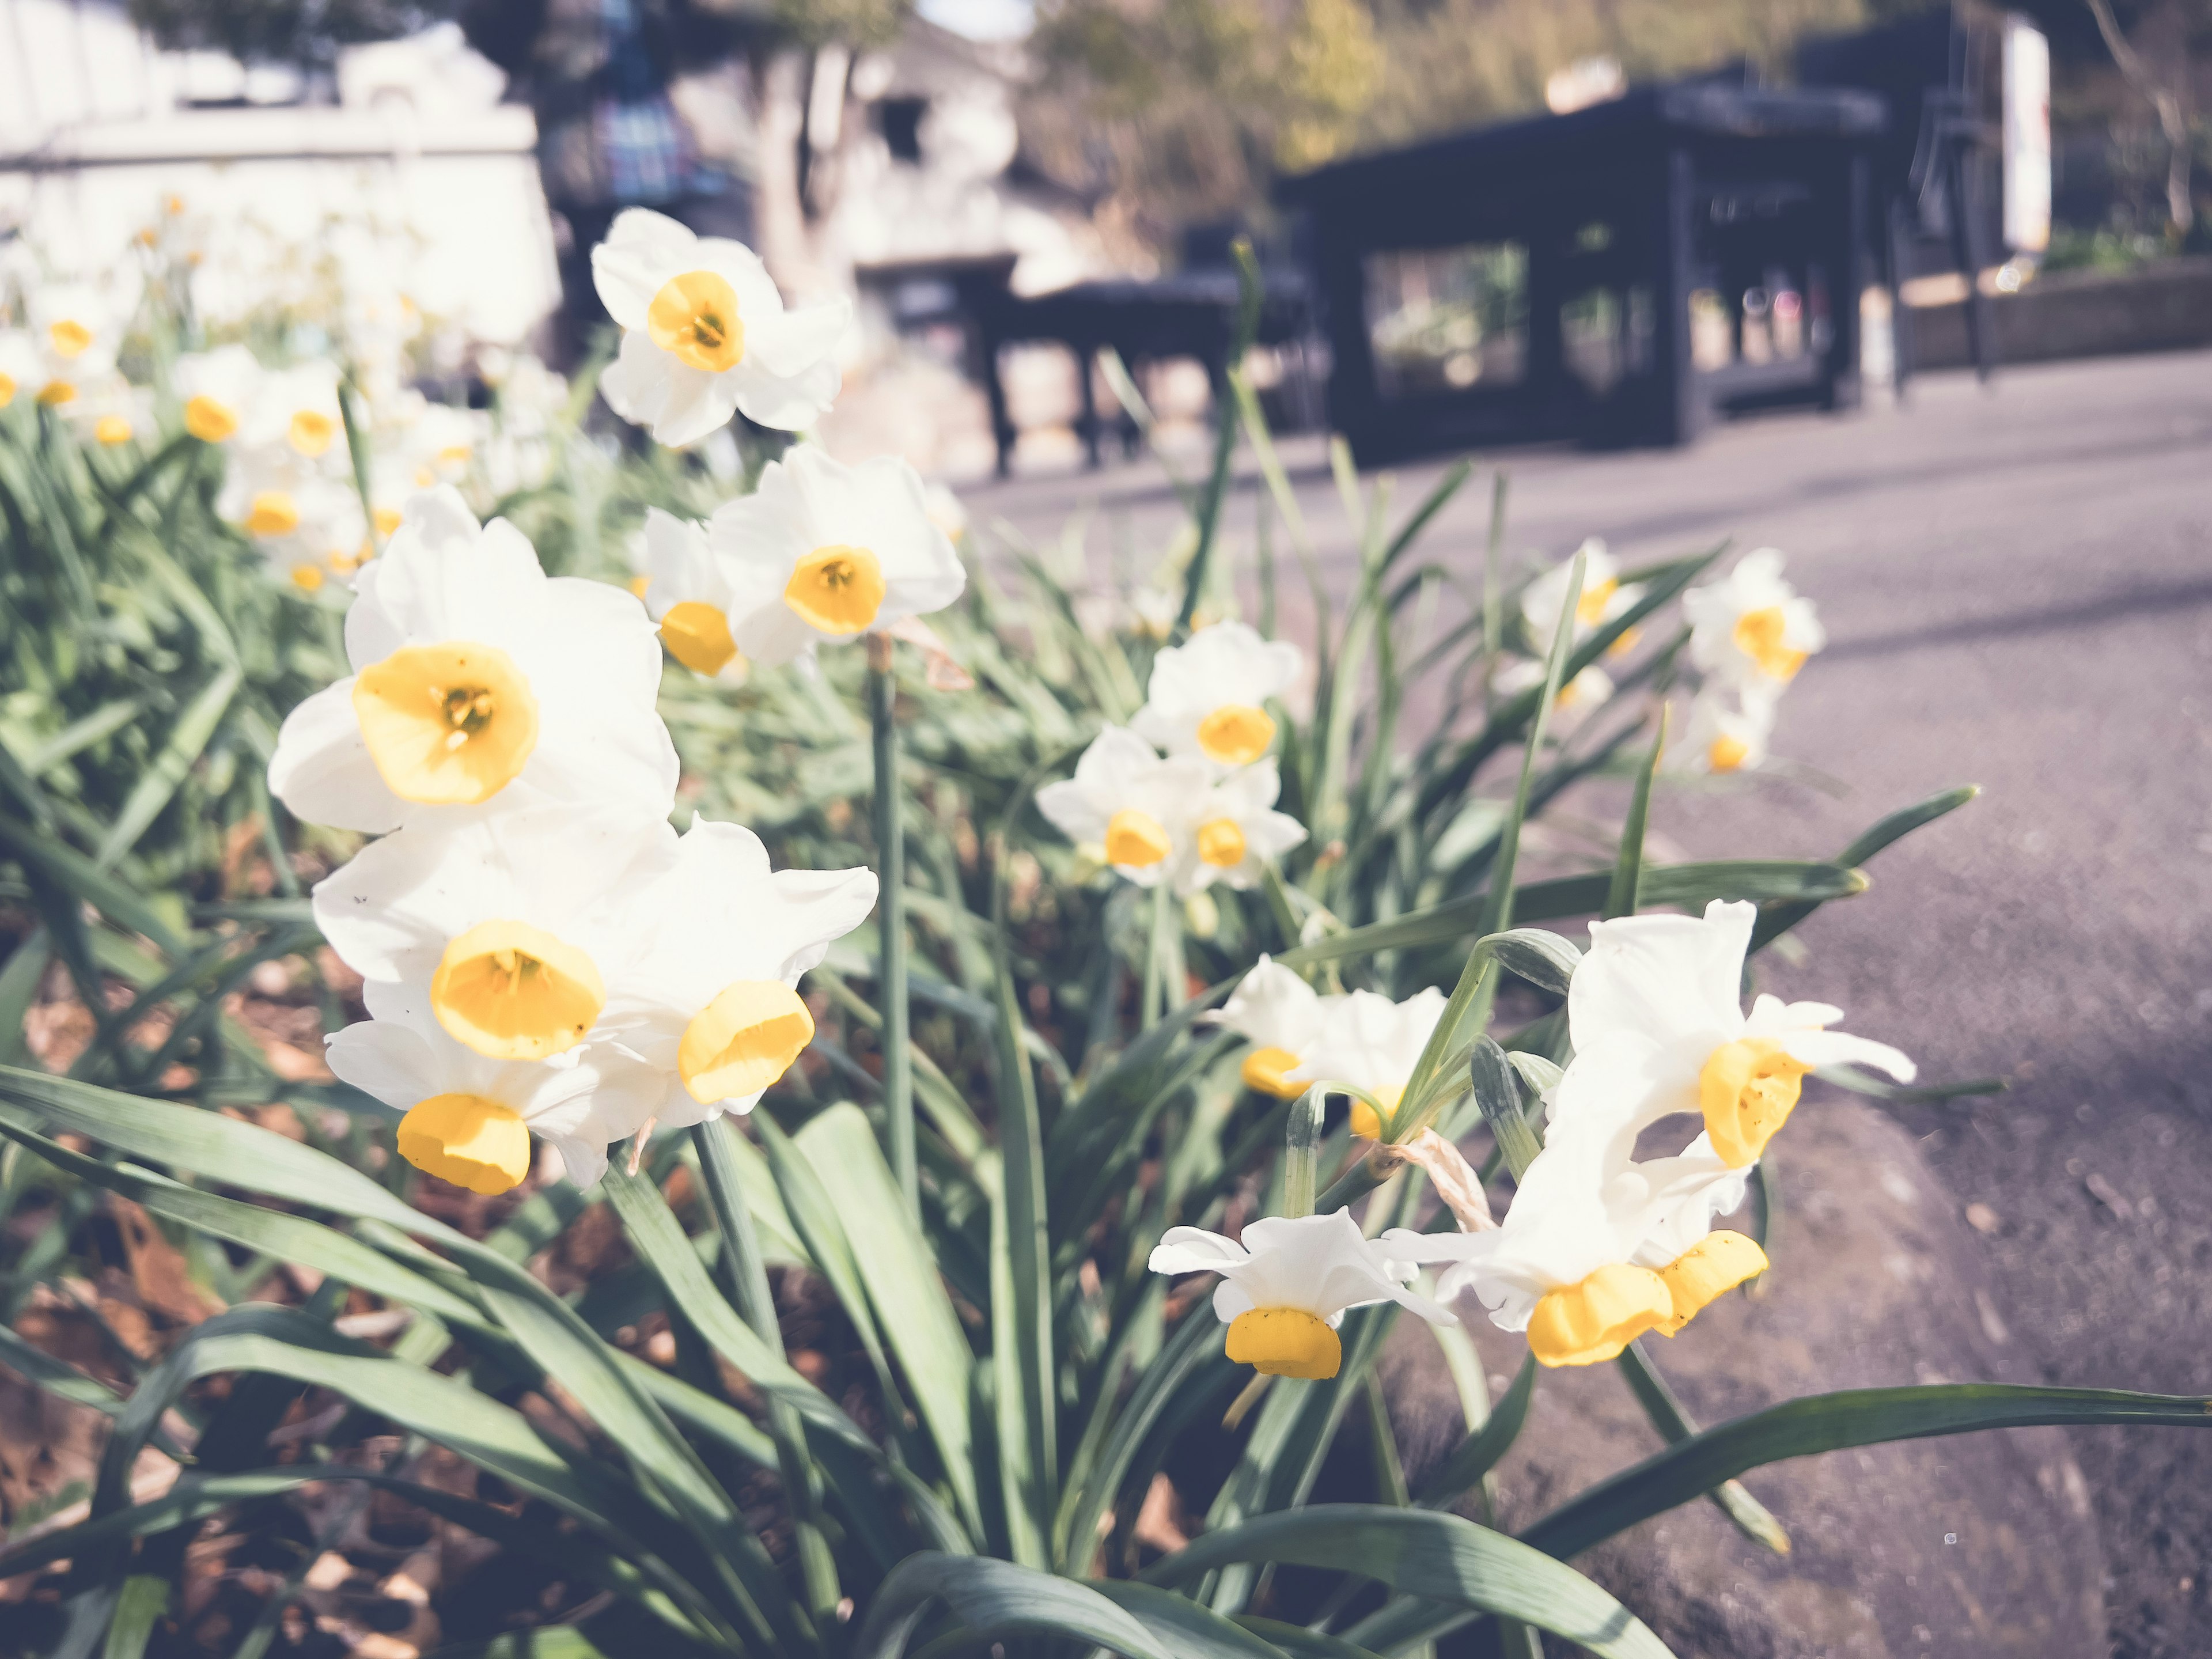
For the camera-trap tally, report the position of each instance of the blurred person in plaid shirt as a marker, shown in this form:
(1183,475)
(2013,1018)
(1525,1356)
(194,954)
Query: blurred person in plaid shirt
(597,73)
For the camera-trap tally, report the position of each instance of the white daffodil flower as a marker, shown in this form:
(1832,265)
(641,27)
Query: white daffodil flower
(303,518)
(1751,627)
(75,331)
(1577,699)
(1208,697)
(705,334)
(440,441)
(469,1118)
(298,409)
(474,673)
(1657,1019)
(707,995)
(688,591)
(824,552)
(1373,1044)
(1286,1284)
(110,411)
(1594,1254)
(1235,833)
(22,367)
(221,389)
(1726,733)
(1280,1015)
(1603,598)
(509,924)
(1132,806)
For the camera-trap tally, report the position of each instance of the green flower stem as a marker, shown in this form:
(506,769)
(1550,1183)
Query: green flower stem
(890,918)
(1301,1142)
(1157,990)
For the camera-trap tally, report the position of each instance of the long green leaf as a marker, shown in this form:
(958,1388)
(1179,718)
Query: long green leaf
(546,1328)
(1435,1556)
(996,1600)
(1622,899)
(1797,1428)
(82,879)
(1780,918)
(188,738)
(898,1270)
(1022,1296)
(1675,1425)
(1688,886)
(1183,1628)
(1831,1422)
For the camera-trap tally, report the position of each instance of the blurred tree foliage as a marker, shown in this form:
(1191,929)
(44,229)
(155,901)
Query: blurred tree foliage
(304,32)
(1184,109)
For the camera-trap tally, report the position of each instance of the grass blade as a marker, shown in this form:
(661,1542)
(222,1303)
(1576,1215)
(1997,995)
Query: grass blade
(898,1271)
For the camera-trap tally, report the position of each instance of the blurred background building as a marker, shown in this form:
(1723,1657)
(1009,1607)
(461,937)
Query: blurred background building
(934,162)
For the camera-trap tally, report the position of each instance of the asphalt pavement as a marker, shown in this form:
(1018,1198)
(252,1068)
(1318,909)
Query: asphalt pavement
(2017,585)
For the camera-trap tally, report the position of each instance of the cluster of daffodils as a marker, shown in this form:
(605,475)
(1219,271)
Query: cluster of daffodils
(291,482)
(63,357)
(1601,1245)
(542,954)
(1750,632)
(1184,795)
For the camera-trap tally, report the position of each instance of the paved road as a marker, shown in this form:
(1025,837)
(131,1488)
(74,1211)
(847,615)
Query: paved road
(2017,585)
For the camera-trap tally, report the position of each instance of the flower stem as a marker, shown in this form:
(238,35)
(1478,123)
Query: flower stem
(1153,1005)
(890,916)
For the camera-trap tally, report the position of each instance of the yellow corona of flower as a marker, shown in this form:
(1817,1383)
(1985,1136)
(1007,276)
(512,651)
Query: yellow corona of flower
(820,553)
(1208,698)
(1373,1044)
(1288,1283)
(705,333)
(1136,808)
(707,996)
(476,675)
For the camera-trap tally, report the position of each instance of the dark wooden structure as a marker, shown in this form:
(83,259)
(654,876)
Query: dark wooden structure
(1616,275)
(1937,169)
(1190,314)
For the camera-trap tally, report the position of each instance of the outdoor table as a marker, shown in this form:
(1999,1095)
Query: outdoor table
(1544,279)
(1192,314)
